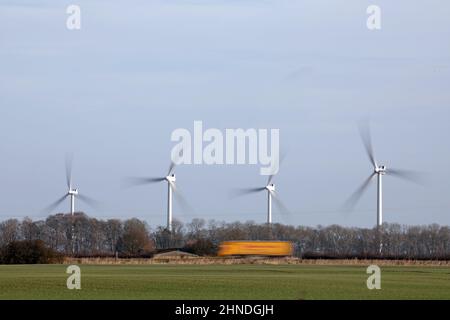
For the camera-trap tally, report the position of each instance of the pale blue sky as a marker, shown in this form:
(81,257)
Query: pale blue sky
(113,91)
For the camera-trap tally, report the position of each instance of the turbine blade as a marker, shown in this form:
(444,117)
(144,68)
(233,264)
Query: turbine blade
(69,160)
(139,181)
(364,131)
(174,159)
(180,198)
(280,204)
(171,168)
(282,157)
(350,203)
(53,206)
(244,191)
(408,175)
(88,200)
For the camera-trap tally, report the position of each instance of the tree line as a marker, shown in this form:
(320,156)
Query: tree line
(81,235)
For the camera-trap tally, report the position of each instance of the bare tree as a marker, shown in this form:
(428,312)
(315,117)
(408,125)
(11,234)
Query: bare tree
(113,229)
(9,231)
(135,238)
(28,229)
(86,236)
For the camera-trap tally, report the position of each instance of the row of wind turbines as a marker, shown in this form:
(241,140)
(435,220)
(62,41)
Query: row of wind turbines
(378,171)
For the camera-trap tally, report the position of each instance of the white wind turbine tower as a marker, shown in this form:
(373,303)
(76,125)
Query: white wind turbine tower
(171,190)
(379,171)
(72,193)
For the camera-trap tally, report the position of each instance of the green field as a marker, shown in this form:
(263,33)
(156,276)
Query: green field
(223,282)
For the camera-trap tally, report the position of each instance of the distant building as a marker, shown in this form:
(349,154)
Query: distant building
(175,254)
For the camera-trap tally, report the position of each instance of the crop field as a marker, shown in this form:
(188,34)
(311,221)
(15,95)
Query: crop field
(223,282)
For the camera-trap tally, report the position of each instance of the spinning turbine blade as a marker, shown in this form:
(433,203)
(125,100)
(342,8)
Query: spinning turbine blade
(408,175)
(244,191)
(282,157)
(350,203)
(91,202)
(69,160)
(55,204)
(180,198)
(171,168)
(175,157)
(139,181)
(280,204)
(364,131)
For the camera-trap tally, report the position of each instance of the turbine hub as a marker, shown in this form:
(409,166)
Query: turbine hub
(171,178)
(270,187)
(380,170)
(73,192)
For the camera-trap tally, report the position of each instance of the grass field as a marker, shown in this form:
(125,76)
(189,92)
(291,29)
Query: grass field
(223,282)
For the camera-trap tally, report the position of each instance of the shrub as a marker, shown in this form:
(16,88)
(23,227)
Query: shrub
(28,252)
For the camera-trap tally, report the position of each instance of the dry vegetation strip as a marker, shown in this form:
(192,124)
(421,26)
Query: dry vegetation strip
(256,260)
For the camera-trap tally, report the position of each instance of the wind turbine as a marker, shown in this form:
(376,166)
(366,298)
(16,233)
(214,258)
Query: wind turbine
(379,171)
(72,193)
(171,190)
(271,195)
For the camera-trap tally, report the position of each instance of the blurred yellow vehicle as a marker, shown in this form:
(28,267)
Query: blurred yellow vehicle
(255,248)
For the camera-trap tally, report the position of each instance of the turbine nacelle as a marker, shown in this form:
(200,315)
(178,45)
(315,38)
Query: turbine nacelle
(170,178)
(270,187)
(380,170)
(73,192)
